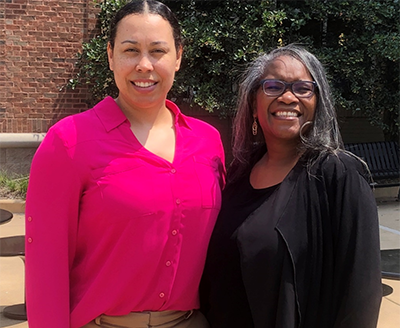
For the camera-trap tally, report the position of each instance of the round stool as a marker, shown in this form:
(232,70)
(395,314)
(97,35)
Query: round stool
(14,246)
(5,216)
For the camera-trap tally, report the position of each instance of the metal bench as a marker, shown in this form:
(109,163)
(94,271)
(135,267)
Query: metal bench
(390,260)
(383,160)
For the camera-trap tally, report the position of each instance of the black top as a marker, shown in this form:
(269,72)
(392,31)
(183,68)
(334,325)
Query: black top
(227,306)
(330,269)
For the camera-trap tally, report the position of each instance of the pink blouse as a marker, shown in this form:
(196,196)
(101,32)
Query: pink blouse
(112,228)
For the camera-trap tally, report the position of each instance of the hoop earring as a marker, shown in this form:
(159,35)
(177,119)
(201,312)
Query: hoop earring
(302,128)
(254,127)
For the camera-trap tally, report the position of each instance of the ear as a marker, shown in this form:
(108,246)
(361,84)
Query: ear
(178,59)
(110,55)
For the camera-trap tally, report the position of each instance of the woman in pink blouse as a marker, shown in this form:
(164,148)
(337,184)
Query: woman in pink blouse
(122,198)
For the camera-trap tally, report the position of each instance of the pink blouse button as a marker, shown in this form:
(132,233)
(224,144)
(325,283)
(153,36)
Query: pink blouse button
(161,295)
(30,219)
(30,240)
(174,232)
(178,201)
(168,263)
(173,171)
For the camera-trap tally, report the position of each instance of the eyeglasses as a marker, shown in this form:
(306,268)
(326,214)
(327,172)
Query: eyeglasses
(301,89)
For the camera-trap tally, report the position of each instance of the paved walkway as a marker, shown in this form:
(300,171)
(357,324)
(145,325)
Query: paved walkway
(389,221)
(12,269)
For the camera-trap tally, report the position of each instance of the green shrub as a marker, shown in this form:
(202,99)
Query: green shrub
(358,41)
(13,186)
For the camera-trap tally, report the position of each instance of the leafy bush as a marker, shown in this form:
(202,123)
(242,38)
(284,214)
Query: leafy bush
(222,37)
(358,40)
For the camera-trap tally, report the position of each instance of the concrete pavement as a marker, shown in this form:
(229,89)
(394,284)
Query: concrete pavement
(12,268)
(389,221)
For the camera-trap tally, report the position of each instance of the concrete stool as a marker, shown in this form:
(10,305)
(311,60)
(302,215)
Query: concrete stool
(5,216)
(14,246)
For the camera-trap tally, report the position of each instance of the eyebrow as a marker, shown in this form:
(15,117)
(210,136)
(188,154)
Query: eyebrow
(152,43)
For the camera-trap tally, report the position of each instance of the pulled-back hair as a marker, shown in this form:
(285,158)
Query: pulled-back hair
(322,135)
(142,7)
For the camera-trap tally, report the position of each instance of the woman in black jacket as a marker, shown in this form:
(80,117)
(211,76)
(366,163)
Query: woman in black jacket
(296,243)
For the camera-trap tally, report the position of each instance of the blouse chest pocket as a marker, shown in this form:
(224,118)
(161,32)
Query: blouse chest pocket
(208,176)
(126,190)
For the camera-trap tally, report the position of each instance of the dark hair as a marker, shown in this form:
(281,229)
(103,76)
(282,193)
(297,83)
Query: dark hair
(322,136)
(151,7)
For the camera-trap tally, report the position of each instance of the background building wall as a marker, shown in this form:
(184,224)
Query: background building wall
(39,42)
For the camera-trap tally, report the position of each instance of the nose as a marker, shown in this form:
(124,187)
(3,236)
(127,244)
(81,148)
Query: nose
(144,64)
(288,96)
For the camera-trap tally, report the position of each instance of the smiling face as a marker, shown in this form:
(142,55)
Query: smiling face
(144,61)
(282,117)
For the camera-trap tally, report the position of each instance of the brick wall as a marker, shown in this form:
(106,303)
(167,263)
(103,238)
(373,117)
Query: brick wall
(39,41)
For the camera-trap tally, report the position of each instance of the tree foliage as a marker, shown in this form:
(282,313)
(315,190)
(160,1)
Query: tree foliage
(357,40)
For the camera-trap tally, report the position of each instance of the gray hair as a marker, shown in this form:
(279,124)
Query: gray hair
(322,136)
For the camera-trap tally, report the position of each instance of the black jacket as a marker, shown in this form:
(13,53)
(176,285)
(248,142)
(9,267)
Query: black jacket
(329,223)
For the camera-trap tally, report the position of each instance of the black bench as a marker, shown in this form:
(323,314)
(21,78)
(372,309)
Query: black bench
(383,161)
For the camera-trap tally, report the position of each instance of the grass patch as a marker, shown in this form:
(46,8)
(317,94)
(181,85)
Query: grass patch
(13,186)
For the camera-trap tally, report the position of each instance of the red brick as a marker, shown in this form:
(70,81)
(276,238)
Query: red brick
(42,39)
